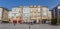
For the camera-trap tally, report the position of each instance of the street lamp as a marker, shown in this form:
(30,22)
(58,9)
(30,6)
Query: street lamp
(29,26)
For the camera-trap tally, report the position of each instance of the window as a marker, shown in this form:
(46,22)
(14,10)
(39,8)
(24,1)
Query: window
(44,14)
(35,10)
(26,10)
(31,10)
(15,9)
(38,15)
(0,14)
(31,14)
(26,15)
(38,9)
(44,9)
(1,9)
(34,14)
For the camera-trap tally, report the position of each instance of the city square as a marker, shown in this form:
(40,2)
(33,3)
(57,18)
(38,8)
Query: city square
(29,14)
(26,26)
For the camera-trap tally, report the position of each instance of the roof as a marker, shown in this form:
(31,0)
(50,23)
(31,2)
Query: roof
(56,6)
(4,8)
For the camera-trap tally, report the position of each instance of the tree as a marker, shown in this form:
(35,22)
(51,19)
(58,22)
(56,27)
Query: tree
(54,21)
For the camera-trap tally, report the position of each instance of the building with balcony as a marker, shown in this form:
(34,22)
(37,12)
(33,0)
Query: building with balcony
(30,13)
(15,14)
(56,13)
(35,13)
(26,14)
(49,15)
(39,13)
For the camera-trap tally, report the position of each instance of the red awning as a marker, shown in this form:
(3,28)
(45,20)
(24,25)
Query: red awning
(19,21)
(14,21)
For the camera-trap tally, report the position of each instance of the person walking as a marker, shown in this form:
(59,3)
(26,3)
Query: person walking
(14,22)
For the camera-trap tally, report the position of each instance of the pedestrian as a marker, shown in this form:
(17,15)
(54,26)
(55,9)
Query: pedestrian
(34,21)
(14,22)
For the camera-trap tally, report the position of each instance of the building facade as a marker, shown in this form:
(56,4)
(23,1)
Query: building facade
(26,14)
(3,14)
(35,13)
(31,13)
(49,15)
(56,13)
(15,14)
(39,13)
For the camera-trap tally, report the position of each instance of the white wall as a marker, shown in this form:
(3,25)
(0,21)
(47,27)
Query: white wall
(1,13)
(10,14)
(44,11)
(58,7)
(39,10)
(15,9)
(15,12)
(26,14)
(49,14)
(26,10)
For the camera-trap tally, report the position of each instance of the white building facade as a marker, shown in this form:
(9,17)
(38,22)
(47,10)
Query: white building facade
(1,13)
(30,13)
(26,14)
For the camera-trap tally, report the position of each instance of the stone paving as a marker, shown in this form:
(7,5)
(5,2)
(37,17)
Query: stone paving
(26,26)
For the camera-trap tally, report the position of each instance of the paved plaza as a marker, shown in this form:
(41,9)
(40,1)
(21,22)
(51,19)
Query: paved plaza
(26,26)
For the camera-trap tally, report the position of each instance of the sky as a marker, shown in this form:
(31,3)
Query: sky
(16,3)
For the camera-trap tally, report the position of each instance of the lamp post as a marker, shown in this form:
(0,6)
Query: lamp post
(29,26)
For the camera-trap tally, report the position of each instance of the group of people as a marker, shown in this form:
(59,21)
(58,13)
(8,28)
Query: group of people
(14,22)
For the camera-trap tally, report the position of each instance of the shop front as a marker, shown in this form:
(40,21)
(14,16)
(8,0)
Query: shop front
(44,21)
(19,21)
(14,21)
